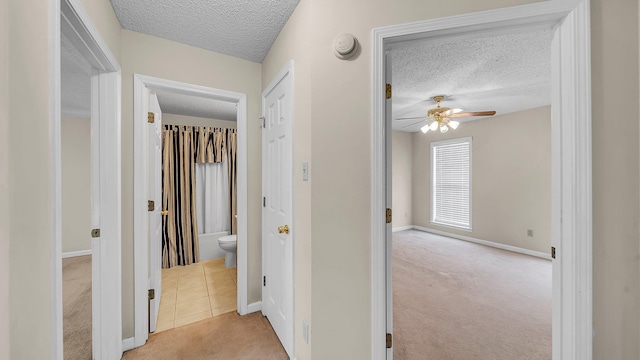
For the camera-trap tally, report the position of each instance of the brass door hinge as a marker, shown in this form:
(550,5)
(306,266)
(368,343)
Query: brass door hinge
(95,233)
(151,205)
(389,341)
(388,91)
(151,117)
(553,252)
(389,217)
(152,294)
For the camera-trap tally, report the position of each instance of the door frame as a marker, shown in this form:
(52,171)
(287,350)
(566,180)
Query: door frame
(70,17)
(286,72)
(571,160)
(141,229)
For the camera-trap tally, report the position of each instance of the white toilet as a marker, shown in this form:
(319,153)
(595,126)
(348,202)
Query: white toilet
(228,244)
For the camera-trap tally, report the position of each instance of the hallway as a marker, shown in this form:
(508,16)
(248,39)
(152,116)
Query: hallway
(225,337)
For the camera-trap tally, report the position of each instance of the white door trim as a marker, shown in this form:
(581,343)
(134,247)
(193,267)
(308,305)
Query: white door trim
(141,229)
(286,72)
(69,16)
(571,160)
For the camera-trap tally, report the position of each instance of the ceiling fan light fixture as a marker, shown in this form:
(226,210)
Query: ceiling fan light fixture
(433,126)
(424,129)
(454,124)
(444,128)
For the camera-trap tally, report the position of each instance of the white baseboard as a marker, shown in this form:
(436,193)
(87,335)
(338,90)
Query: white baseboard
(402,228)
(254,307)
(128,344)
(76,253)
(486,243)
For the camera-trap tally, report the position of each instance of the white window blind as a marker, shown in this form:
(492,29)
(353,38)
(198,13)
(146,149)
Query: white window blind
(451,183)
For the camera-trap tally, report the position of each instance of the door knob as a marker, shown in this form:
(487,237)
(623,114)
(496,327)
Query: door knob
(165,212)
(283,229)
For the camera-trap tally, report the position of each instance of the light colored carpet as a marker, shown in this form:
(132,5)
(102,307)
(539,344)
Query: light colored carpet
(455,300)
(225,337)
(76,300)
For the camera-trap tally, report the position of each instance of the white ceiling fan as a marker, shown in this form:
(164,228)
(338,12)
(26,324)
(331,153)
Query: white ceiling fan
(441,117)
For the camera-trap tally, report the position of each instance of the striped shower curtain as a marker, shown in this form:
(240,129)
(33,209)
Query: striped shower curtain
(183,147)
(179,228)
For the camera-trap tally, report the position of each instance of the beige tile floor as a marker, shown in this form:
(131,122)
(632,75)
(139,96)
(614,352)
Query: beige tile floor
(196,292)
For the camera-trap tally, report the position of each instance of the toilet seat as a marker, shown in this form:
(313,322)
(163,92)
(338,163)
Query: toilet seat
(227,239)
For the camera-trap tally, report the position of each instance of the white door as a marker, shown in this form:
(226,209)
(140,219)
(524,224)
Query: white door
(277,294)
(389,187)
(96,243)
(154,141)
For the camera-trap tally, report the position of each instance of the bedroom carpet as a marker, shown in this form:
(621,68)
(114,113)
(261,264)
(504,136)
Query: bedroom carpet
(455,300)
(76,305)
(225,337)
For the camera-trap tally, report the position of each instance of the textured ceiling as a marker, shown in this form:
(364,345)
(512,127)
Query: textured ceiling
(242,28)
(179,104)
(505,73)
(75,81)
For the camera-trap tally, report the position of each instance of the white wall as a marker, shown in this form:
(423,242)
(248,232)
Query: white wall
(402,178)
(511,178)
(173,119)
(153,56)
(76,184)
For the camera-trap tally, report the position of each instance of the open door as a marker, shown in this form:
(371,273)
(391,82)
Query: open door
(389,187)
(277,234)
(155,204)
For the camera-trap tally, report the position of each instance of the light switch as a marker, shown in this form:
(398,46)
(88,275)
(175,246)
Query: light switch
(305,171)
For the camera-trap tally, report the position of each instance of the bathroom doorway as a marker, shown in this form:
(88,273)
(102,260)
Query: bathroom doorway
(190,204)
(193,160)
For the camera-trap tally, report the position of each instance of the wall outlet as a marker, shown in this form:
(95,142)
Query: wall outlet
(305,331)
(529,233)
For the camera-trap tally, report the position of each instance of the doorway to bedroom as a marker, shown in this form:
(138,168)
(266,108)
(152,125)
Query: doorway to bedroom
(471,179)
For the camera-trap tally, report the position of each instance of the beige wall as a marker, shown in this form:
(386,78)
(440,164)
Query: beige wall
(339,289)
(293,43)
(341,112)
(511,178)
(340,93)
(614,57)
(76,184)
(402,178)
(105,20)
(4,183)
(173,119)
(149,55)
(29,175)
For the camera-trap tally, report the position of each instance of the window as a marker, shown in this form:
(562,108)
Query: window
(451,183)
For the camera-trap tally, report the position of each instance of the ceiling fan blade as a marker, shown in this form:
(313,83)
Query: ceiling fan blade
(406,126)
(451,112)
(475,113)
(413,118)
